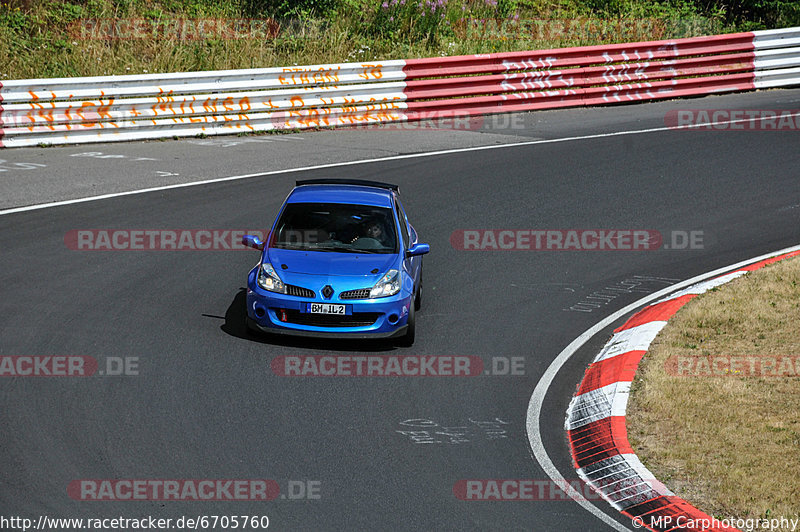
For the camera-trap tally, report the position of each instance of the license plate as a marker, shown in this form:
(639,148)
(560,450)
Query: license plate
(326,308)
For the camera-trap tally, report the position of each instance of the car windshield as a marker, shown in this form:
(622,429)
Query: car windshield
(336,227)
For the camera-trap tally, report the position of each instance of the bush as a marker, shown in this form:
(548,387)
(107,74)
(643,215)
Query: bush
(38,42)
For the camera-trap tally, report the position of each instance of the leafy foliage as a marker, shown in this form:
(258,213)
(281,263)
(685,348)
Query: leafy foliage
(39,39)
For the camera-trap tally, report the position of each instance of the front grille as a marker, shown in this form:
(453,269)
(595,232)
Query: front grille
(357,319)
(299,291)
(361,293)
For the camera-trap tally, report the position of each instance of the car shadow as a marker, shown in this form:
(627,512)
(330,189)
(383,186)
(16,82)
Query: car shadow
(235,326)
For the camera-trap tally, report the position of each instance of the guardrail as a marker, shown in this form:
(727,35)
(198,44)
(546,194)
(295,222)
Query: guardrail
(112,108)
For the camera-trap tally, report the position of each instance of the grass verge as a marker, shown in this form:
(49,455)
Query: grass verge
(63,38)
(714,410)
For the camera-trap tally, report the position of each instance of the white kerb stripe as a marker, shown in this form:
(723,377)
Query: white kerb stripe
(610,400)
(705,286)
(608,471)
(636,338)
(618,483)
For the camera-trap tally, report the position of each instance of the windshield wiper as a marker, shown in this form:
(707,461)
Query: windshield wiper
(325,247)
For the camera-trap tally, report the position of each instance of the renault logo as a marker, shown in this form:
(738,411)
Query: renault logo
(327,292)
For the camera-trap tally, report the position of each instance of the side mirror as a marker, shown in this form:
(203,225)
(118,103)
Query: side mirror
(252,242)
(418,249)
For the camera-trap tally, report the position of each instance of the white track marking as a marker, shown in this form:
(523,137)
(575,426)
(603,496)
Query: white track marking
(376,160)
(537,399)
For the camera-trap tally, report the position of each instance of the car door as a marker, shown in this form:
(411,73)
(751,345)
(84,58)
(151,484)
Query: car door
(412,265)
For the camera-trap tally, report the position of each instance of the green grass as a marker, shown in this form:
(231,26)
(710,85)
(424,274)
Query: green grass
(39,37)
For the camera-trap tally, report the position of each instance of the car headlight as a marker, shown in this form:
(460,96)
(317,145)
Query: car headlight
(269,280)
(389,285)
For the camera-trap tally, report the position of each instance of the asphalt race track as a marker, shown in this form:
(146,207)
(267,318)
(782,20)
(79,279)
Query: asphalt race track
(205,403)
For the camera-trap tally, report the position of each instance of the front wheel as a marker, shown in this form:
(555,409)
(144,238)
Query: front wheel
(407,340)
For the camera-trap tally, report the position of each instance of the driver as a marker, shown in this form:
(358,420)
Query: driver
(372,230)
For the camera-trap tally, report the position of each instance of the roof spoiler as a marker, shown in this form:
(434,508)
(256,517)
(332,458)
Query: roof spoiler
(359,182)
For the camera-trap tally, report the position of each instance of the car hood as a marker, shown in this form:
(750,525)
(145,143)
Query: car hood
(330,263)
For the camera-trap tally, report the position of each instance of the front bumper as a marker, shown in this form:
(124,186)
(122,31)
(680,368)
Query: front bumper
(270,312)
(252,324)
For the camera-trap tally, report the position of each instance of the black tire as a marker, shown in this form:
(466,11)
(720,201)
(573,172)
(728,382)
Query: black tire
(407,340)
(418,297)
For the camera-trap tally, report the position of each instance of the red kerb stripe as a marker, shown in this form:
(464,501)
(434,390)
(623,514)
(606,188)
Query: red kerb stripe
(657,312)
(620,368)
(766,262)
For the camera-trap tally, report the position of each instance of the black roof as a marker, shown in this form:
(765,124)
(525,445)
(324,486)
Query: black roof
(339,181)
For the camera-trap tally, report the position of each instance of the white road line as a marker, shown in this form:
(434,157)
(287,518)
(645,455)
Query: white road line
(376,160)
(537,399)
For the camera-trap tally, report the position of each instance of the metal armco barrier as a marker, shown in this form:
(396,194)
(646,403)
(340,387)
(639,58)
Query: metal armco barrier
(112,108)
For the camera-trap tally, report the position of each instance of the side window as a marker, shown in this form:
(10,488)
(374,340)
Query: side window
(403,224)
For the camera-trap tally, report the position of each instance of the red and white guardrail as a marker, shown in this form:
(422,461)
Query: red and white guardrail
(595,423)
(111,108)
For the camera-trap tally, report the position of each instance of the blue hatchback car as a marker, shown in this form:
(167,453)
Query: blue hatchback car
(341,260)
